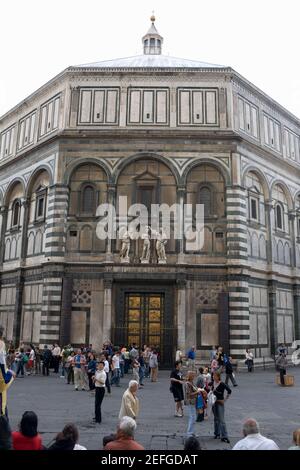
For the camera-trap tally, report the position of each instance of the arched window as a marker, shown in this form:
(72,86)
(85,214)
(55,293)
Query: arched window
(205,198)
(16,209)
(279,217)
(88,200)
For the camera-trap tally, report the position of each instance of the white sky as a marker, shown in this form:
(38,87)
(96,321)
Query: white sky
(258,38)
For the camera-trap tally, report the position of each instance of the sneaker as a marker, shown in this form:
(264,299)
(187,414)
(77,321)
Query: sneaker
(225,439)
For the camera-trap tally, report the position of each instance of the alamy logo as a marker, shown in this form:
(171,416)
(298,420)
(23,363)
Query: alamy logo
(161,223)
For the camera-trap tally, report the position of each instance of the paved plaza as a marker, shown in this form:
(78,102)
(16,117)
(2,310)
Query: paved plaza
(277,410)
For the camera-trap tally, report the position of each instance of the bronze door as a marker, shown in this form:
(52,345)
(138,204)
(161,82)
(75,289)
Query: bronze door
(144,319)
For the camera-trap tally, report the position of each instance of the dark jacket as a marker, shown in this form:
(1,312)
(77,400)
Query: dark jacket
(228,368)
(62,444)
(47,355)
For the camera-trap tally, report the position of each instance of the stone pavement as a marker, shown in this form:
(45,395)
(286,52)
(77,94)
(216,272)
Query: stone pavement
(277,409)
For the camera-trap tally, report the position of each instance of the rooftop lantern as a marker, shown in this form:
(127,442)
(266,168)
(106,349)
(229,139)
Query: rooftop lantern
(152,41)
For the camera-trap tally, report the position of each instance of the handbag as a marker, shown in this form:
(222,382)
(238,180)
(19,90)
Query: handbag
(211,398)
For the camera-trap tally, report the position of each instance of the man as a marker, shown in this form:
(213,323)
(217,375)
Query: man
(229,372)
(253,440)
(64,358)
(116,369)
(46,360)
(99,379)
(133,353)
(125,436)
(282,363)
(191,356)
(130,402)
(79,365)
(176,378)
(6,377)
(56,357)
(106,370)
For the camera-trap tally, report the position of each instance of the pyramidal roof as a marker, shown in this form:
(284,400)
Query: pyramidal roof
(152,56)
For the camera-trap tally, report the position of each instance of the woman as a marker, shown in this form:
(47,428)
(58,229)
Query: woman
(249,360)
(153,364)
(191,392)
(218,408)
(176,388)
(70,368)
(67,439)
(27,438)
(91,369)
(296,439)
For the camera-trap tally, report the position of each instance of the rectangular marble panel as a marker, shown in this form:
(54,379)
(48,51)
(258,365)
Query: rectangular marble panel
(288,329)
(161,107)
(27,326)
(98,106)
(280,329)
(78,327)
(135,104)
(36,327)
(85,106)
(55,113)
(209,329)
(111,106)
(241,114)
(43,120)
(266,130)
(247,117)
(32,127)
(254,121)
(197,107)
(148,102)
(184,105)
(211,114)
(262,328)
(50,117)
(253,328)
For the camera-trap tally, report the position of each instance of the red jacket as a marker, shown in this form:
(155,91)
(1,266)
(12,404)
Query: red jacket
(124,443)
(21,442)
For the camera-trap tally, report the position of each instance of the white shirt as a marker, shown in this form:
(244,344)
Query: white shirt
(100,377)
(116,361)
(56,351)
(79,447)
(256,442)
(106,366)
(32,355)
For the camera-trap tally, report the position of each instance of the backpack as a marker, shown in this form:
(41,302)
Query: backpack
(25,359)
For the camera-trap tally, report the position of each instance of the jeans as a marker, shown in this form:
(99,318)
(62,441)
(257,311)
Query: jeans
(116,377)
(20,368)
(100,391)
(122,368)
(147,370)
(141,374)
(219,420)
(46,365)
(282,373)
(192,420)
(126,366)
(230,376)
(70,375)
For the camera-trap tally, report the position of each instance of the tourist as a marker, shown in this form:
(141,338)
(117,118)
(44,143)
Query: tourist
(146,355)
(200,381)
(207,378)
(218,388)
(130,402)
(47,355)
(296,440)
(191,357)
(67,439)
(91,370)
(253,440)
(141,368)
(69,367)
(153,364)
(249,360)
(178,356)
(5,433)
(6,376)
(38,358)
(176,378)
(20,355)
(190,396)
(281,364)
(229,372)
(135,370)
(191,444)
(213,352)
(106,370)
(99,379)
(220,358)
(126,361)
(122,363)
(56,357)
(214,367)
(27,438)
(125,436)
(133,353)
(31,360)
(64,359)
(79,370)
(116,369)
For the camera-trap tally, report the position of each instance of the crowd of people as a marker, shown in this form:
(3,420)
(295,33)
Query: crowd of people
(200,394)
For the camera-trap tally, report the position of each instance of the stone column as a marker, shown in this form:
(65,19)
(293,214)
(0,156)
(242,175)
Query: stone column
(3,213)
(51,304)
(293,234)
(268,209)
(18,308)
(66,311)
(237,261)
(26,204)
(181,192)
(273,316)
(107,309)
(296,294)
(55,229)
(181,314)
(111,199)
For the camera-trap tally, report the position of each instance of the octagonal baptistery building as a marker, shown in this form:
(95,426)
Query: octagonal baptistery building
(156,129)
